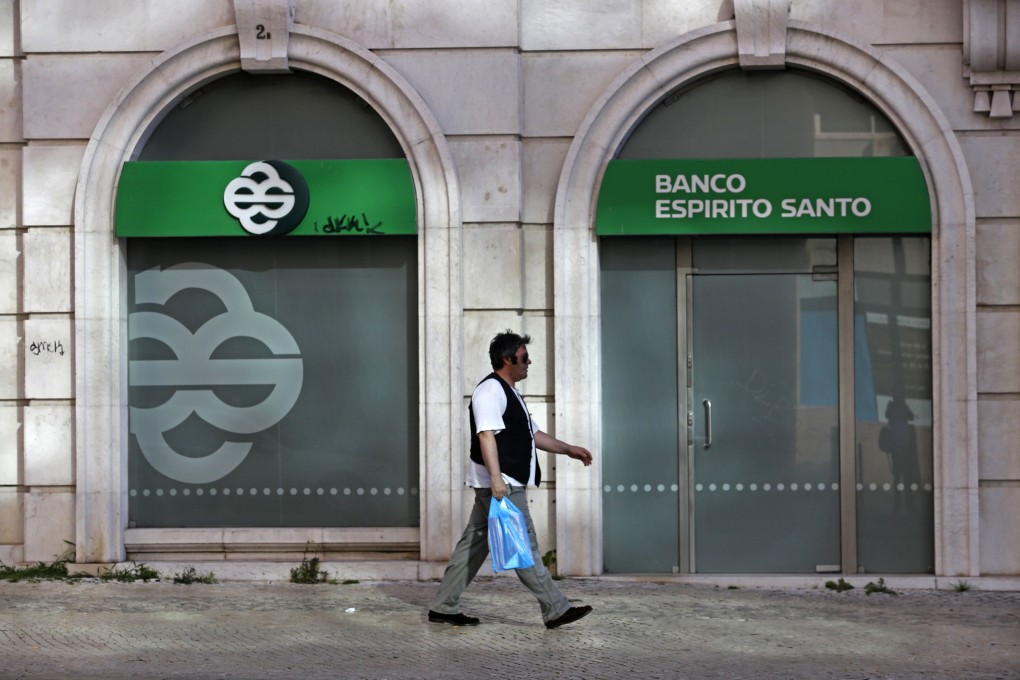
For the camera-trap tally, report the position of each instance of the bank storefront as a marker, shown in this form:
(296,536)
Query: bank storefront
(759,251)
(755,308)
(760,319)
(255,387)
(272,357)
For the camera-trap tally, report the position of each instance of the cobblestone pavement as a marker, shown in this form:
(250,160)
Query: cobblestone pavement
(91,630)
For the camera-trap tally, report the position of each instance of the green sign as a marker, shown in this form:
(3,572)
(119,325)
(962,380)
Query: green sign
(245,198)
(763,196)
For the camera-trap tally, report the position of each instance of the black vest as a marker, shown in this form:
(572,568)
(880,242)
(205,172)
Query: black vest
(514,442)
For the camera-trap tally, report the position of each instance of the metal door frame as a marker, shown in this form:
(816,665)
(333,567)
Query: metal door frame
(847,402)
(687,558)
(685,416)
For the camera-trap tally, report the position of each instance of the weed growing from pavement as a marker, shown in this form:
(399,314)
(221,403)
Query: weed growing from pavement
(190,575)
(308,572)
(961,586)
(40,571)
(57,571)
(839,586)
(879,587)
(136,572)
(549,562)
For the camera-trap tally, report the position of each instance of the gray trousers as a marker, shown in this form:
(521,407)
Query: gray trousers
(473,548)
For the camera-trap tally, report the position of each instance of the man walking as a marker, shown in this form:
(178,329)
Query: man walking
(503,463)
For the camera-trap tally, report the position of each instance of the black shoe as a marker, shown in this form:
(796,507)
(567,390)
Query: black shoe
(457,619)
(569,616)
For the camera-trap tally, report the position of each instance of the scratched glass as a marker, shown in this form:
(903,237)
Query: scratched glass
(765,348)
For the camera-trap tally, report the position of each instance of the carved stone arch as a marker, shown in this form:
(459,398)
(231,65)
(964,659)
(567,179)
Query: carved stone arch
(100,317)
(576,274)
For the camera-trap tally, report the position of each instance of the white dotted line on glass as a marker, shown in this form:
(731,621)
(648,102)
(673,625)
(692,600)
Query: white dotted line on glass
(269,492)
(889,487)
(807,486)
(794,486)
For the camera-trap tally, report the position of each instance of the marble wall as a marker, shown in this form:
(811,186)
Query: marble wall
(510,82)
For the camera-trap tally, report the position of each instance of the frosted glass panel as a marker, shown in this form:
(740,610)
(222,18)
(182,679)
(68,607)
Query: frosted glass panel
(788,114)
(296,116)
(273,382)
(892,312)
(639,405)
(763,255)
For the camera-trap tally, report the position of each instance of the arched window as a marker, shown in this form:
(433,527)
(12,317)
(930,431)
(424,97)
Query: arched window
(272,379)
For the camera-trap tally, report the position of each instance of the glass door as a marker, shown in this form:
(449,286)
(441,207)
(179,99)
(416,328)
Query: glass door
(764,405)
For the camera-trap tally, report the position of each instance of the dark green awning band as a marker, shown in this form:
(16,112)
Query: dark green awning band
(245,198)
(763,196)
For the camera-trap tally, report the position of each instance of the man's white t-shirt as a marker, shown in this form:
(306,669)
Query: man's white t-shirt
(488,402)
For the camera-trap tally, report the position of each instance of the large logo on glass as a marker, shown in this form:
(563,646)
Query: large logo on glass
(196,374)
(269,198)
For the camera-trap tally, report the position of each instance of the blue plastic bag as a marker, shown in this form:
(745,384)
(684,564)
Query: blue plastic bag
(509,543)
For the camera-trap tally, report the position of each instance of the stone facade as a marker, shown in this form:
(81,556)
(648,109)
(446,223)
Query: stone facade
(507,110)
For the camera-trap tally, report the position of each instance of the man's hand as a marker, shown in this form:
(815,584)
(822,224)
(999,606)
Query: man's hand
(490,456)
(547,442)
(579,453)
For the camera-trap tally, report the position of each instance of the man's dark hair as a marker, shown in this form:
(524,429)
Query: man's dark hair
(505,345)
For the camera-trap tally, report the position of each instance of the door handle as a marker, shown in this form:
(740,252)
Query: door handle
(708,422)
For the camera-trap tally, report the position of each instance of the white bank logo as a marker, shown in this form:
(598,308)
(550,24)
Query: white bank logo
(195,373)
(269,198)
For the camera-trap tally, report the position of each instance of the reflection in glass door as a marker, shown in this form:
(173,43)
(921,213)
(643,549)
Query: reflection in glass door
(893,411)
(765,413)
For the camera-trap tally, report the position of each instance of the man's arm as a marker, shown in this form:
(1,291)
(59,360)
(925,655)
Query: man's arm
(553,445)
(490,456)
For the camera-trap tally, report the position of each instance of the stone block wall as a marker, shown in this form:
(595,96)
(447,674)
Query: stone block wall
(510,82)
(12,525)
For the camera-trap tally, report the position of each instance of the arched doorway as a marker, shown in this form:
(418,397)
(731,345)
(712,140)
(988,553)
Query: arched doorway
(759,351)
(577,291)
